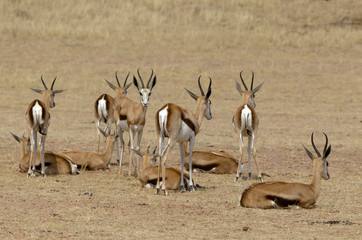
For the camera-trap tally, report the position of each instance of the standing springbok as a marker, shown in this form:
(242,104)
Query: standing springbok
(285,194)
(131,117)
(104,105)
(148,176)
(38,119)
(54,163)
(245,124)
(180,125)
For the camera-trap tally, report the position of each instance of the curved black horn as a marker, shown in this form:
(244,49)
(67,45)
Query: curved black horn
(325,146)
(125,81)
(148,149)
(51,88)
(138,72)
(315,149)
(202,92)
(242,80)
(117,79)
(148,83)
(252,80)
(43,82)
(154,150)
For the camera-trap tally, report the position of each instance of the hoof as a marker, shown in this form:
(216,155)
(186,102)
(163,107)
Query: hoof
(183,190)
(164,192)
(43,175)
(118,162)
(157,191)
(249,178)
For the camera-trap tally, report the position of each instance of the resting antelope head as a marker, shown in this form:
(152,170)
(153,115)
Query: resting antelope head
(203,100)
(121,92)
(145,92)
(248,95)
(149,159)
(321,159)
(48,94)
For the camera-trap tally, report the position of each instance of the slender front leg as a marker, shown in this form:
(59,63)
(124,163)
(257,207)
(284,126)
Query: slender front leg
(254,155)
(240,164)
(139,137)
(160,145)
(131,161)
(249,150)
(43,137)
(181,148)
(192,142)
(33,153)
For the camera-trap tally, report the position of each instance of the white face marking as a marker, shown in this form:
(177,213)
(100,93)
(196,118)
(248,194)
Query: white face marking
(145,96)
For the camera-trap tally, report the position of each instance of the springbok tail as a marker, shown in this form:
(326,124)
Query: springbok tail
(102,109)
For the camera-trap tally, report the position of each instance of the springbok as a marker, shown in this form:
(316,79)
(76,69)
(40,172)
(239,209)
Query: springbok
(38,119)
(217,162)
(54,164)
(245,124)
(131,117)
(148,176)
(285,194)
(104,105)
(180,125)
(92,160)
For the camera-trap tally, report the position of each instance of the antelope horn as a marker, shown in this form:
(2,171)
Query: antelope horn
(202,92)
(252,80)
(315,149)
(51,88)
(125,81)
(148,83)
(16,137)
(325,147)
(117,79)
(138,71)
(242,80)
(46,88)
(148,149)
(154,150)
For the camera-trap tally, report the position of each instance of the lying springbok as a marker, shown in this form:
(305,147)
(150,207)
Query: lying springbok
(245,124)
(217,162)
(38,119)
(54,164)
(148,176)
(104,105)
(285,194)
(180,125)
(92,160)
(131,117)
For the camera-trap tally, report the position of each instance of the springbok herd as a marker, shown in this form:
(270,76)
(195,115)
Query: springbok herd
(178,125)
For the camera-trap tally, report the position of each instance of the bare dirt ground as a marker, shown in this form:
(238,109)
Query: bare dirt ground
(309,87)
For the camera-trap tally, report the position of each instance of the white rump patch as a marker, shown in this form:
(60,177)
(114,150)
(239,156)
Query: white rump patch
(246,118)
(162,119)
(37,111)
(102,108)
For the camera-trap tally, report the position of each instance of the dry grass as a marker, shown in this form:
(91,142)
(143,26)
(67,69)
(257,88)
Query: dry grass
(309,59)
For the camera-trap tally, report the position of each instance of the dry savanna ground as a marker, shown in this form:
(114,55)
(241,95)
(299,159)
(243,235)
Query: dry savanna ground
(308,53)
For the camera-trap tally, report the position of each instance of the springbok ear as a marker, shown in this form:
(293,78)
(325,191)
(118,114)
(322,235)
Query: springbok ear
(110,84)
(36,90)
(135,83)
(328,151)
(154,81)
(193,95)
(257,88)
(238,87)
(16,137)
(309,153)
(57,91)
(137,152)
